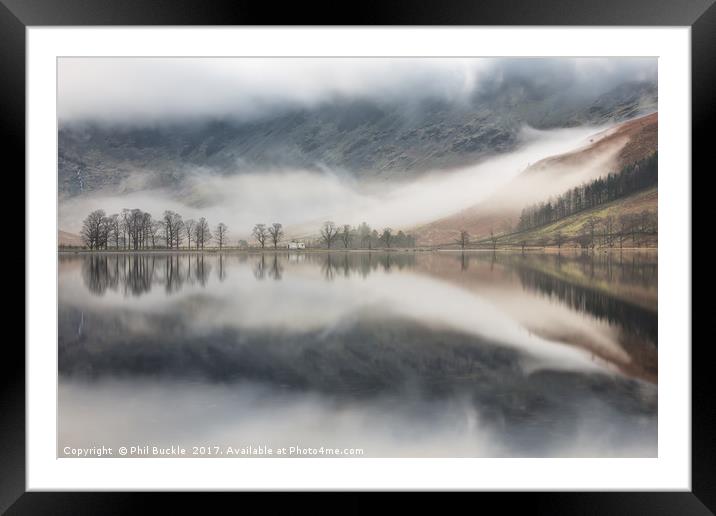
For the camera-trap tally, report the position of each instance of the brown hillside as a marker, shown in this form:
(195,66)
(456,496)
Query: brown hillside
(67,239)
(607,151)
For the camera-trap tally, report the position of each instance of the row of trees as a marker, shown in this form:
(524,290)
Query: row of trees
(629,228)
(268,234)
(637,176)
(332,235)
(136,229)
(612,231)
(362,237)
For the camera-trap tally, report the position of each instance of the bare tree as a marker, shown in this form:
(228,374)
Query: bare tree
(115,229)
(346,236)
(126,224)
(173,223)
(104,233)
(463,239)
(608,227)
(584,239)
(178,231)
(591,228)
(364,235)
(146,229)
(155,230)
(202,234)
(189,229)
(260,233)
(387,236)
(329,233)
(374,237)
(92,228)
(625,227)
(558,239)
(276,233)
(220,231)
(493,239)
(135,227)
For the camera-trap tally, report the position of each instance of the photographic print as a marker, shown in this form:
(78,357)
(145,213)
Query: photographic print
(357,257)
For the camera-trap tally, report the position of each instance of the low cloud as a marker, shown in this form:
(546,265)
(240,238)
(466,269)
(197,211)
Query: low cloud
(302,200)
(142,90)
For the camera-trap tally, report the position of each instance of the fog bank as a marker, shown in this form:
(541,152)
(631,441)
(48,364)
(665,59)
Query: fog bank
(302,200)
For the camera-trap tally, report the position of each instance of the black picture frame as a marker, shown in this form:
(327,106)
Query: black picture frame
(17,15)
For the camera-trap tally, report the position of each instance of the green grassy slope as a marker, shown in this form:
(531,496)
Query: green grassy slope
(570,227)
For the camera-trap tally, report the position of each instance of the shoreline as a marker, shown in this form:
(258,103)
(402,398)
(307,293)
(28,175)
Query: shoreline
(547,249)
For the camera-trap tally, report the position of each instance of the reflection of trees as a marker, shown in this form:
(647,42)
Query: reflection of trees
(328,268)
(464,262)
(135,274)
(173,277)
(348,263)
(221,270)
(260,268)
(202,270)
(276,270)
(633,318)
(638,269)
(141,271)
(269,267)
(97,275)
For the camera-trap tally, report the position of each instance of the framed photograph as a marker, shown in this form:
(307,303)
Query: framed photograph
(434,249)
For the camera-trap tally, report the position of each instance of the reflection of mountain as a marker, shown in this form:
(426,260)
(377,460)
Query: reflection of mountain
(565,278)
(639,326)
(616,289)
(371,357)
(409,340)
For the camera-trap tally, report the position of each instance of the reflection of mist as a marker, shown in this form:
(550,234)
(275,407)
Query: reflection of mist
(244,305)
(606,303)
(428,346)
(405,424)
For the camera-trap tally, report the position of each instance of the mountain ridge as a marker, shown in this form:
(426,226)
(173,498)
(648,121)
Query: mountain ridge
(364,139)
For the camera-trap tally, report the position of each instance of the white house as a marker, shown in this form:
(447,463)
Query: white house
(295,245)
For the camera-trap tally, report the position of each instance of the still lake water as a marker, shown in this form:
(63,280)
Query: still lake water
(420,354)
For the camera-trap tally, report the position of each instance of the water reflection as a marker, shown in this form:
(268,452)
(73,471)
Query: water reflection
(135,274)
(501,354)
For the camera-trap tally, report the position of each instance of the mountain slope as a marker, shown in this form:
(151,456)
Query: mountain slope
(366,139)
(572,226)
(607,151)
(66,239)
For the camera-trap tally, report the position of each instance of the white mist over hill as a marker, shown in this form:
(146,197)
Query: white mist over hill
(302,200)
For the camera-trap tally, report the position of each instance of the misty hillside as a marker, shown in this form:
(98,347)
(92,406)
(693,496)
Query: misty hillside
(366,139)
(609,151)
